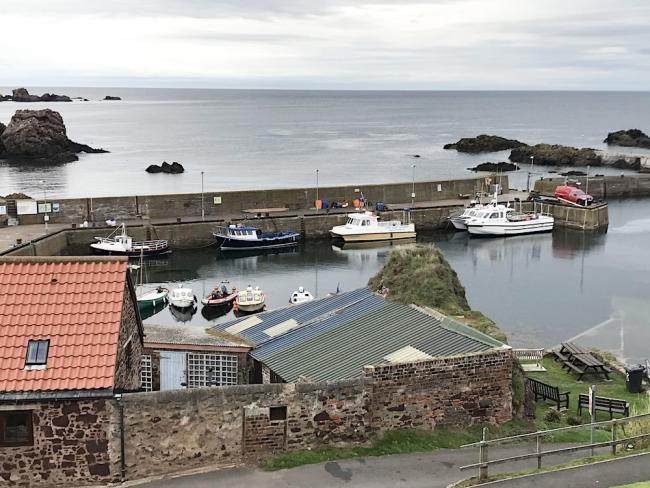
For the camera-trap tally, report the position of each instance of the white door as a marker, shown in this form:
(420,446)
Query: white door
(172,370)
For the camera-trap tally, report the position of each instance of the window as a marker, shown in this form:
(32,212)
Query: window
(16,428)
(278,413)
(211,370)
(494,216)
(146,376)
(37,352)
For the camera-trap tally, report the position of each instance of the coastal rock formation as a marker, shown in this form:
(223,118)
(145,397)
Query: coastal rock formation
(2,129)
(484,143)
(501,166)
(556,155)
(5,98)
(22,95)
(628,138)
(109,97)
(39,136)
(574,173)
(165,167)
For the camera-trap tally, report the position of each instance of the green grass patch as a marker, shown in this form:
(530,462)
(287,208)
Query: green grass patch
(642,484)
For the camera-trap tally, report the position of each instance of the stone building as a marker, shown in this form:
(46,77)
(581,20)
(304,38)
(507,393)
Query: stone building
(192,357)
(70,340)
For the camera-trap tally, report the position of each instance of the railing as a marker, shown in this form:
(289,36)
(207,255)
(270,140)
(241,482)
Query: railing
(483,444)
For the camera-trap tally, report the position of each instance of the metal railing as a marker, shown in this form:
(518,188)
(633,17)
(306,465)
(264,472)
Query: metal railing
(483,444)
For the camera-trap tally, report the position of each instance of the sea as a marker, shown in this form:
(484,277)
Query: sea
(249,139)
(540,289)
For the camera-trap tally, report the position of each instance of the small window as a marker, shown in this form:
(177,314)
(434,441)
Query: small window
(278,413)
(16,428)
(37,352)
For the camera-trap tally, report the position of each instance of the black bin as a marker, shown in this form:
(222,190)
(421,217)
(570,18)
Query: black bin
(633,377)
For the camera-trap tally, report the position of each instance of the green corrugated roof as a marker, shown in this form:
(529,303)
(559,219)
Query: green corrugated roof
(342,351)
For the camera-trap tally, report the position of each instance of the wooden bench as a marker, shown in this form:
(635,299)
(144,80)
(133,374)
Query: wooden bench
(611,405)
(535,356)
(548,392)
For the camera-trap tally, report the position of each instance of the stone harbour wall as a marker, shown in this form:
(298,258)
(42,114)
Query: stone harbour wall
(73,442)
(177,430)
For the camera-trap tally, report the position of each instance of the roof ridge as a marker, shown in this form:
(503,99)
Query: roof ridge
(63,259)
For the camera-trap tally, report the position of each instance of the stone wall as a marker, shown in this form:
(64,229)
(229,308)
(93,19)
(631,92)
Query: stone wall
(602,187)
(183,429)
(72,442)
(129,347)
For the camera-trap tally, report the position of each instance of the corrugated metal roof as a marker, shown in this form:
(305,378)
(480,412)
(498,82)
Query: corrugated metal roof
(76,304)
(253,327)
(339,347)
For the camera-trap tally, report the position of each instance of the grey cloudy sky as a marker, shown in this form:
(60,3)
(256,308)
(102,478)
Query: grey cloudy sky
(383,44)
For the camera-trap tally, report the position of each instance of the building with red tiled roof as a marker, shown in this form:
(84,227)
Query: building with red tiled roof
(70,340)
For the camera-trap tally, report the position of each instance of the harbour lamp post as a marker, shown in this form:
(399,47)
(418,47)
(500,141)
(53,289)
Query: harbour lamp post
(413,188)
(316,191)
(530,172)
(46,217)
(587,182)
(202,204)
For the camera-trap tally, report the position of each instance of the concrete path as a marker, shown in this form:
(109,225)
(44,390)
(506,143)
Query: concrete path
(431,470)
(8,235)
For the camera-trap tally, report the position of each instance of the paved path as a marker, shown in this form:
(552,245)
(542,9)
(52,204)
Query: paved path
(8,235)
(430,470)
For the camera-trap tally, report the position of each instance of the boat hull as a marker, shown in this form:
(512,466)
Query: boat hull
(376,236)
(219,302)
(458,223)
(251,307)
(508,230)
(132,253)
(182,304)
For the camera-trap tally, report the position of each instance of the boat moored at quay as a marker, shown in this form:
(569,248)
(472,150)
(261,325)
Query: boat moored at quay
(121,244)
(495,221)
(243,238)
(366,226)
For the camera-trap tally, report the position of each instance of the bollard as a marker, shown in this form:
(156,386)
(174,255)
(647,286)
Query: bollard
(19,241)
(539,450)
(483,457)
(614,438)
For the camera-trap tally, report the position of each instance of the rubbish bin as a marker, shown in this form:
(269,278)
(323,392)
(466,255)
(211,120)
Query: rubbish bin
(380,207)
(633,377)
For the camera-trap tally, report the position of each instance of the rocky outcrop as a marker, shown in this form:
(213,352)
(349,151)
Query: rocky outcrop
(573,173)
(501,166)
(22,95)
(39,136)
(556,155)
(2,129)
(484,143)
(628,138)
(109,97)
(165,167)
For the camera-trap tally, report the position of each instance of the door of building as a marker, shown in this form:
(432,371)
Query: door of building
(173,366)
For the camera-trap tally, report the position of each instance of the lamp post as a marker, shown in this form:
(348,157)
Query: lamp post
(530,172)
(202,204)
(316,202)
(46,217)
(587,182)
(413,187)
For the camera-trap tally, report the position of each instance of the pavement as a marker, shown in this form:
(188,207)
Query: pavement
(9,235)
(431,470)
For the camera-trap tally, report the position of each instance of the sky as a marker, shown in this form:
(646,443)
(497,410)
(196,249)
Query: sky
(328,44)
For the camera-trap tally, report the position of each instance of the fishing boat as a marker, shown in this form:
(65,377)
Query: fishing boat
(182,297)
(506,221)
(300,296)
(121,244)
(152,298)
(366,226)
(220,296)
(240,238)
(250,300)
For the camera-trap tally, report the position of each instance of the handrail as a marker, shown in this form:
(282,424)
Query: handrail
(603,423)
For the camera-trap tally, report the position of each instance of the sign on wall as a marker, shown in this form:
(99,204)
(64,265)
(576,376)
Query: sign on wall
(217,200)
(26,207)
(45,207)
(3,210)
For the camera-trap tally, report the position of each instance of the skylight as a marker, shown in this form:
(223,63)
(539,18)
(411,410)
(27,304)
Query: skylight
(37,352)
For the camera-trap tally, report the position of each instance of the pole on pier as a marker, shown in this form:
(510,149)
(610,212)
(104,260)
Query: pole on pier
(202,200)
(413,188)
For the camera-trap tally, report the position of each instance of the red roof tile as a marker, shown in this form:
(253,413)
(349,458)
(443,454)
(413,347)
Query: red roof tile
(76,303)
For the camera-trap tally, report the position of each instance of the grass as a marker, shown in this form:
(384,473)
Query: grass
(642,484)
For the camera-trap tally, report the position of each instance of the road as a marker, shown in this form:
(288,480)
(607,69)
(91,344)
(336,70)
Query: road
(431,470)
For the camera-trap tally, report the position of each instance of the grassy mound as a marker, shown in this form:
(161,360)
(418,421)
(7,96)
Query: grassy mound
(421,275)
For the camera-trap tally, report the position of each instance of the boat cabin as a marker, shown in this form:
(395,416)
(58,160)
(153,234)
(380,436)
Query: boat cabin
(242,232)
(365,219)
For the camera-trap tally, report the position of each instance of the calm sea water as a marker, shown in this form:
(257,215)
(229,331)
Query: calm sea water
(245,139)
(540,289)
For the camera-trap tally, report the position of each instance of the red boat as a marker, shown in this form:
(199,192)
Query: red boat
(572,194)
(220,296)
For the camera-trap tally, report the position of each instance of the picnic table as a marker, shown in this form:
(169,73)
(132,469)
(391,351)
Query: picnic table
(575,358)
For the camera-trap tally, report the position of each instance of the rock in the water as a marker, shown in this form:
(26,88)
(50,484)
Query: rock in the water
(2,129)
(628,138)
(484,143)
(165,167)
(556,155)
(495,167)
(52,97)
(39,136)
(22,95)
(627,163)
(5,98)
(573,173)
(109,97)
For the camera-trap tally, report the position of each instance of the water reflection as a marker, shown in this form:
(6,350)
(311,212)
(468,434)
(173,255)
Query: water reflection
(182,314)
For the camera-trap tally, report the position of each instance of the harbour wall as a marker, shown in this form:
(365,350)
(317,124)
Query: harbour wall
(226,205)
(601,187)
(592,218)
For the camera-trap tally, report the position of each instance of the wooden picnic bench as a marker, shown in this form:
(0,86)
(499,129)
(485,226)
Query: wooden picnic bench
(548,392)
(603,404)
(575,358)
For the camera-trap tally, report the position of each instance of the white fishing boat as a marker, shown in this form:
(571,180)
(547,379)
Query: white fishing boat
(250,300)
(366,226)
(300,296)
(182,297)
(122,244)
(494,221)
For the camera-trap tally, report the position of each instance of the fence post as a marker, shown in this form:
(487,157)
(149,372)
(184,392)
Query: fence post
(614,438)
(539,450)
(483,457)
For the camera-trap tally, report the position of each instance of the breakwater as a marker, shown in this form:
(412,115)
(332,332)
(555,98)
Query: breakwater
(601,187)
(228,205)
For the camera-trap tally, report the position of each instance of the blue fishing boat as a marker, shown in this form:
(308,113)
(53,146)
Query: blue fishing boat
(242,238)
